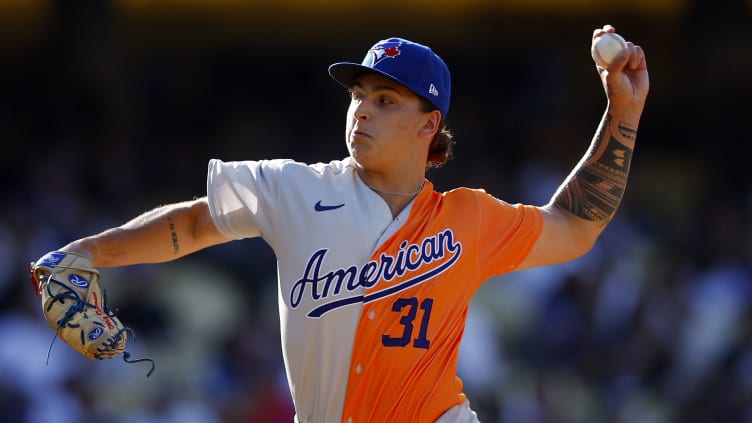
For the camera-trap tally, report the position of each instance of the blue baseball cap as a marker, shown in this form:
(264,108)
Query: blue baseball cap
(408,63)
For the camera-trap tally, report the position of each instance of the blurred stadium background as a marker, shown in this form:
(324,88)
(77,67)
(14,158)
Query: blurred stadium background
(110,108)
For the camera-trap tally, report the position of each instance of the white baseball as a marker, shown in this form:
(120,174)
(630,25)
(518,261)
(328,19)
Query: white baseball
(606,47)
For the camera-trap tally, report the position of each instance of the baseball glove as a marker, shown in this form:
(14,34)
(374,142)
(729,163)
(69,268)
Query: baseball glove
(76,309)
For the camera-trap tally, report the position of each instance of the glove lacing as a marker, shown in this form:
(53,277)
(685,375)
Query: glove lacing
(80,306)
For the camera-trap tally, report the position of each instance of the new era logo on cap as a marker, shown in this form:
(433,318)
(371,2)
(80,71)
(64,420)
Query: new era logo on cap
(411,64)
(432,90)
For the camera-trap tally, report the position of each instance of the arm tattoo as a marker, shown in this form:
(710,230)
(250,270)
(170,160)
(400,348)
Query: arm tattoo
(596,187)
(174,236)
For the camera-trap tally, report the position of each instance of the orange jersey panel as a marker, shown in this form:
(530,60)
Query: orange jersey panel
(404,359)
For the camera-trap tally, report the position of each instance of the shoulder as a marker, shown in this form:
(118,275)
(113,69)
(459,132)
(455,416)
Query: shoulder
(480,201)
(332,167)
(282,166)
(476,195)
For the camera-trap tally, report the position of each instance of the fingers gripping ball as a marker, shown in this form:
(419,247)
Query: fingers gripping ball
(75,307)
(606,47)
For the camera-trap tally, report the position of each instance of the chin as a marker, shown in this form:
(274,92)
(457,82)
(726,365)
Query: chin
(357,150)
(361,158)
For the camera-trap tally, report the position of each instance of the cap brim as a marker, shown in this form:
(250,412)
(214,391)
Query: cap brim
(346,73)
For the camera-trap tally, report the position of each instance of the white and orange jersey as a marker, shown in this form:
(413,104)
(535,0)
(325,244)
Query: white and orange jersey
(372,308)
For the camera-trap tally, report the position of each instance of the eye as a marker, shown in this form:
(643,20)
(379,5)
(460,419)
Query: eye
(386,100)
(355,95)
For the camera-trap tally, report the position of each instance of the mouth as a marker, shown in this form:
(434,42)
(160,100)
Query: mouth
(359,134)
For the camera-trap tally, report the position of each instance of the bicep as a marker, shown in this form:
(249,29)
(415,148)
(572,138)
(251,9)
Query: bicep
(564,237)
(205,232)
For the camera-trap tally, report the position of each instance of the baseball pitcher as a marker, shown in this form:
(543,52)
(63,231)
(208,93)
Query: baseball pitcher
(376,268)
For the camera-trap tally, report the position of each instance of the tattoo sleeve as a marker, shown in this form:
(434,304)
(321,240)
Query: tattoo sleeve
(596,186)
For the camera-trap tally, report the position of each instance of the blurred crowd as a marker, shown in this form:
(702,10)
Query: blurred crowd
(654,325)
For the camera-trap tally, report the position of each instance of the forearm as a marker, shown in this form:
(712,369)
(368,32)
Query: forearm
(596,186)
(163,234)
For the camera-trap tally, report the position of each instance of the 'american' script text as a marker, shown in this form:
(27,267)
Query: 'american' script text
(409,258)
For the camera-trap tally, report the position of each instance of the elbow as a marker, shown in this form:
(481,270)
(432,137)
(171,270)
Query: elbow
(586,234)
(583,245)
(564,237)
(582,237)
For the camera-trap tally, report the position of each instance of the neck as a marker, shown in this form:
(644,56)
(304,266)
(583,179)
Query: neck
(396,202)
(398,193)
(396,199)
(402,184)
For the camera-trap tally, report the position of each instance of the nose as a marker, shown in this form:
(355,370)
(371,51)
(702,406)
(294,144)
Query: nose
(360,109)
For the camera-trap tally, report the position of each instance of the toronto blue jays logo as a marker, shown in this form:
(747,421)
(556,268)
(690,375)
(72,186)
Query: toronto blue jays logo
(408,261)
(379,52)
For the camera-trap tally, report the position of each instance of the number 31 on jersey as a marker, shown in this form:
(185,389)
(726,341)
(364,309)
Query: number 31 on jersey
(408,323)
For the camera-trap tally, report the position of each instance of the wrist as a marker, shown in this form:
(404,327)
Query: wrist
(82,247)
(625,114)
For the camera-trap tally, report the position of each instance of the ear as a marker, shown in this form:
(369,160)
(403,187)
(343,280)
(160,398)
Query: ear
(431,124)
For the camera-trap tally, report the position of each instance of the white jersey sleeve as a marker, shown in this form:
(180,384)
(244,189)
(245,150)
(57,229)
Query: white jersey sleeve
(242,196)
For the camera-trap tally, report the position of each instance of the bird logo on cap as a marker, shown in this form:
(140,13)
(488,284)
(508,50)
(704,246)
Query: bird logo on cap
(379,52)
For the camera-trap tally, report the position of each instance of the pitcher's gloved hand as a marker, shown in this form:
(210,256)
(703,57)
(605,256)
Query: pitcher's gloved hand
(74,306)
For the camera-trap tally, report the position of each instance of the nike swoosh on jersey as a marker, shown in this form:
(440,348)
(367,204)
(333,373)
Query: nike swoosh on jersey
(320,207)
